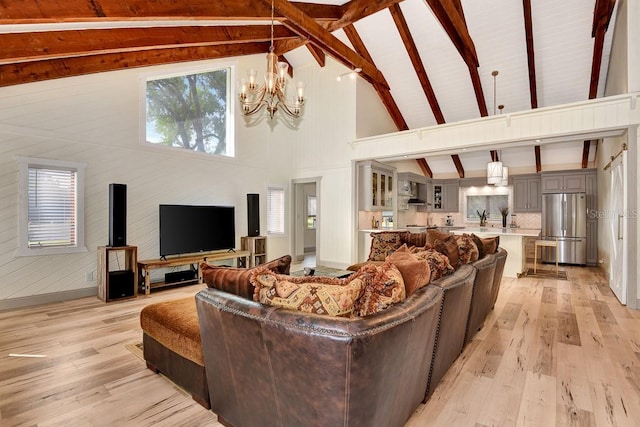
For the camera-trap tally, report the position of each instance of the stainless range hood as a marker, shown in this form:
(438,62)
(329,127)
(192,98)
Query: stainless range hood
(416,202)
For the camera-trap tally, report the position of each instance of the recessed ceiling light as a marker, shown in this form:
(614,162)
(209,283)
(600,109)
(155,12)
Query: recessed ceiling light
(537,140)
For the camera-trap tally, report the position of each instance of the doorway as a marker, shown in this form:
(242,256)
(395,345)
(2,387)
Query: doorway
(617,224)
(306,220)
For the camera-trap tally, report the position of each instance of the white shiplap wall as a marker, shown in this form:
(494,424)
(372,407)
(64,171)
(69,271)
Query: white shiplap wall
(95,119)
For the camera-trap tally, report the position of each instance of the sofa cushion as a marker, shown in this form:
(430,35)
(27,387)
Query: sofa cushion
(467,249)
(319,295)
(415,239)
(358,266)
(236,280)
(486,245)
(415,270)
(384,287)
(174,324)
(384,244)
(448,247)
(438,263)
(433,235)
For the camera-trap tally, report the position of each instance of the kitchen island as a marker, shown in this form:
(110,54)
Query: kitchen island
(512,240)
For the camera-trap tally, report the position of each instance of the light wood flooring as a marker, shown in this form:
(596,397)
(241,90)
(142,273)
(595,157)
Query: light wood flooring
(551,353)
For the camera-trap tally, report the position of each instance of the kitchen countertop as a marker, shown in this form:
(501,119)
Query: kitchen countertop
(500,231)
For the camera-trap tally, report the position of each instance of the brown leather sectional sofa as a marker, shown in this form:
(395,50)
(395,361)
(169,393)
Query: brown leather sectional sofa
(268,366)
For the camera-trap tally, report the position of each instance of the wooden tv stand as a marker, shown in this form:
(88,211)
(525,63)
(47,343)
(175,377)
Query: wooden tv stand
(145,267)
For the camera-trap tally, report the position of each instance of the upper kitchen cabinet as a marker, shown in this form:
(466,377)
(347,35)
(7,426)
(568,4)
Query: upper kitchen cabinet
(445,195)
(564,182)
(375,181)
(527,196)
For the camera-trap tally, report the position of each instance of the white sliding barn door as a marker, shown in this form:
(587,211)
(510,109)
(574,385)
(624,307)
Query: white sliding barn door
(618,230)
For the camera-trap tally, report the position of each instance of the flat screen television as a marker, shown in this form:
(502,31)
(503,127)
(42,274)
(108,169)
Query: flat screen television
(188,229)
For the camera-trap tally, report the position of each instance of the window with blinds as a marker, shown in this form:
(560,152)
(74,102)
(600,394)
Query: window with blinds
(275,210)
(51,208)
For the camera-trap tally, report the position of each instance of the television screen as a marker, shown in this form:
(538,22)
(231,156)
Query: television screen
(187,229)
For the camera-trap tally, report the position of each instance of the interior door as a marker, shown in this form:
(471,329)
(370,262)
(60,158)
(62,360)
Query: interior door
(616,219)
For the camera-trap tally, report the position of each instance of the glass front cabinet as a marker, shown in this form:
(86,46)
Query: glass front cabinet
(375,186)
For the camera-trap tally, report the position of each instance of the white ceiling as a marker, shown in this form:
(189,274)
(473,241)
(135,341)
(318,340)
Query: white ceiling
(563,49)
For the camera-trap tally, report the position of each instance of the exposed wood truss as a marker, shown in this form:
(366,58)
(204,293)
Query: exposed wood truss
(601,18)
(531,60)
(585,153)
(451,17)
(424,166)
(383,91)
(536,150)
(458,164)
(412,50)
(306,26)
(33,11)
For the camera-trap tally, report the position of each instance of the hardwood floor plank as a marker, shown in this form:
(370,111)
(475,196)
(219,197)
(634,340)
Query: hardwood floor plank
(568,332)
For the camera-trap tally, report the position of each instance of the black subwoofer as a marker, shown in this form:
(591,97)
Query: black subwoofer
(120,284)
(253,215)
(117,215)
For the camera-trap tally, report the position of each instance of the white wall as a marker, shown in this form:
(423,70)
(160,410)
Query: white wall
(95,119)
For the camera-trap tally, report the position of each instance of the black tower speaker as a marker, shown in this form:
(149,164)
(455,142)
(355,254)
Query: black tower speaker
(253,215)
(117,215)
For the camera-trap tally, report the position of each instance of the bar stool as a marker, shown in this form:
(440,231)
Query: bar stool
(547,243)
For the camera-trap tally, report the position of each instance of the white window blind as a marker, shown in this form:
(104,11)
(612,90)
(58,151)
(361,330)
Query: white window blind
(275,210)
(52,207)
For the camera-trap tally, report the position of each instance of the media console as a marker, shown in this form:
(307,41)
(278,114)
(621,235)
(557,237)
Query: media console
(145,267)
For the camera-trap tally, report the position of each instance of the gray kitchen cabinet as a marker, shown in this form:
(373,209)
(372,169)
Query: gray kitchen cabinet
(375,186)
(564,183)
(527,194)
(592,242)
(445,195)
(592,193)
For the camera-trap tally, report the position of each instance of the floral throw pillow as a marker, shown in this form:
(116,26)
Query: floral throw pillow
(438,263)
(467,249)
(319,295)
(384,287)
(384,244)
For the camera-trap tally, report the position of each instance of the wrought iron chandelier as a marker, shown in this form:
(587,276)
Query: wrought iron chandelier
(272,93)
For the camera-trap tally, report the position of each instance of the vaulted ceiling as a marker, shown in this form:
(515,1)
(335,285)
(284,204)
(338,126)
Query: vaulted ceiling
(430,61)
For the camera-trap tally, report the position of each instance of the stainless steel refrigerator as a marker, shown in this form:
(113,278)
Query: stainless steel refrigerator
(564,216)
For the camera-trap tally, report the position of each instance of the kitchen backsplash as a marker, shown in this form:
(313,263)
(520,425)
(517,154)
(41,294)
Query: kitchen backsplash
(523,220)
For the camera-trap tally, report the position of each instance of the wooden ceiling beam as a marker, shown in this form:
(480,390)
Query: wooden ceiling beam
(414,55)
(424,166)
(32,71)
(449,13)
(355,10)
(281,58)
(528,29)
(451,16)
(37,11)
(458,164)
(536,150)
(383,92)
(585,153)
(601,18)
(317,54)
(307,27)
(20,47)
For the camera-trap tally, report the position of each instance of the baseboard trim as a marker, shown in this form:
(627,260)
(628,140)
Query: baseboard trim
(13,303)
